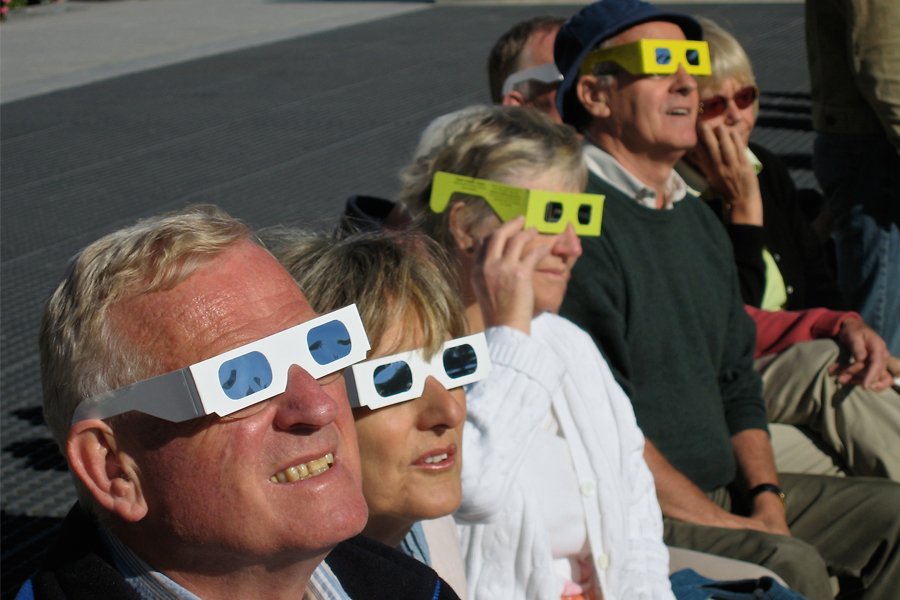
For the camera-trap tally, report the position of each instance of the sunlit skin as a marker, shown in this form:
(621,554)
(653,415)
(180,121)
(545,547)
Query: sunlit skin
(538,51)
(552,273)
(399,485)
(213,517)
(646,122)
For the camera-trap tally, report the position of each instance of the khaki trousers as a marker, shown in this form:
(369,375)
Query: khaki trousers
(848,427)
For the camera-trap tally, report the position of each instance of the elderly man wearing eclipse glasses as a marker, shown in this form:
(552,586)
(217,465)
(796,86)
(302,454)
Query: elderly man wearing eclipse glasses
(199,402)
(658,292)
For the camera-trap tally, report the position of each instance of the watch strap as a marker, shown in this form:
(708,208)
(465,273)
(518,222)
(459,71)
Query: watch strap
(767,487)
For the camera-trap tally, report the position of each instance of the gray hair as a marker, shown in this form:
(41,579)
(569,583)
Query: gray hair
(82,354)
(501,143)
(391,277)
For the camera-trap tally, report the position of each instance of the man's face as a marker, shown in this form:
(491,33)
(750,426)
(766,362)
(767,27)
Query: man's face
(652,116)
(539,51)
(208,483)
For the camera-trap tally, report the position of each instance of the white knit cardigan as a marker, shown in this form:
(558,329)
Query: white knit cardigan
(506,551)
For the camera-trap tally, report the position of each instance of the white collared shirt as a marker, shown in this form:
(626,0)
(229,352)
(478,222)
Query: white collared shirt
(602,164)
(155,585)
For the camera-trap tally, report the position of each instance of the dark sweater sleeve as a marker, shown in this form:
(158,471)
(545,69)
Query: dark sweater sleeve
(747,242)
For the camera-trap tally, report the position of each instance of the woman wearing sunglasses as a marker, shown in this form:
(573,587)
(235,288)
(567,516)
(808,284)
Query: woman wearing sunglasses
(409,404)
(557,499)
(781,261)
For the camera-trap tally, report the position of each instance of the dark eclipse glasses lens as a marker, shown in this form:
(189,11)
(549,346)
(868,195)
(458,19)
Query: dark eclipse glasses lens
(397,377)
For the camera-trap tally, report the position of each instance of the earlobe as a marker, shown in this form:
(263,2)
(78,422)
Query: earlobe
(593,96)
(109,474)
(513,98)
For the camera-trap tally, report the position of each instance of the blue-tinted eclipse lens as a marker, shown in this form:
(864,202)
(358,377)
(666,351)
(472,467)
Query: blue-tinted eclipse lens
(329,342)
(460,361)
(693,57)
(663,56)
(245,375)
(392,379)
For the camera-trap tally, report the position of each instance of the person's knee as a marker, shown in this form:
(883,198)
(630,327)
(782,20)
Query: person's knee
(797,562)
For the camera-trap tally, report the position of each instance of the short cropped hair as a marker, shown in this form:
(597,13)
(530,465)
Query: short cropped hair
(392,277)
(504,59)
(82,354)
(727,58)
(502,143)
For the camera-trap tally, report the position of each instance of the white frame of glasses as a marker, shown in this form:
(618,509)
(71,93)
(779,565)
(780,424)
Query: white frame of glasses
(195,390)
(545,73)
(366,395)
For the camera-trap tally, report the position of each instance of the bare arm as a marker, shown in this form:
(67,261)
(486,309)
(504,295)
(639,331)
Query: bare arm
(681,499)
(756,463)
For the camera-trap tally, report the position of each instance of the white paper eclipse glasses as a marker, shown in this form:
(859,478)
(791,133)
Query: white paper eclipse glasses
(400,377)
(240,377)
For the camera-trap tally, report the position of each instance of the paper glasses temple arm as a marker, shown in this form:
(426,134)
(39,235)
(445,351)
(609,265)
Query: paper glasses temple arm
(172,396)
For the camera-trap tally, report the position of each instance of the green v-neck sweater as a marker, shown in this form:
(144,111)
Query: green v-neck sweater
(658,292)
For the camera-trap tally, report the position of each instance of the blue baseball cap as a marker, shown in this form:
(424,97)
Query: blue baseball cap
(592,25)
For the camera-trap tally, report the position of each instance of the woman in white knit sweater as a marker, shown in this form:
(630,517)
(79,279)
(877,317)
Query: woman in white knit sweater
(557,499)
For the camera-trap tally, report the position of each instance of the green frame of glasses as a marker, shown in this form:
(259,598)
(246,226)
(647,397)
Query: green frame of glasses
(510,202)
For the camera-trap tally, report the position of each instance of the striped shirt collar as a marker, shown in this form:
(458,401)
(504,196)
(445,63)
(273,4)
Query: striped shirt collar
(602,164)
(155,585)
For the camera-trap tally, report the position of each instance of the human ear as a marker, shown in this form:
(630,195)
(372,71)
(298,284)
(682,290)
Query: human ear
(109,474)
(461,228)
(593,96)
(514,98)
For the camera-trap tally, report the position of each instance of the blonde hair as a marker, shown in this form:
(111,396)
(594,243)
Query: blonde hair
(82,354)
(727,57)
(501,143)
(391,277)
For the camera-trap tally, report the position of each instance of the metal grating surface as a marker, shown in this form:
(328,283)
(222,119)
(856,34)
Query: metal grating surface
(281,133)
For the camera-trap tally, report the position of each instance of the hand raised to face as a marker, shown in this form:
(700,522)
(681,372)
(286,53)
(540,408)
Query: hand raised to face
(503,276)
(721,155)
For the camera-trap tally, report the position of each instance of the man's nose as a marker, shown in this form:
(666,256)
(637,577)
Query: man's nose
(683,83)
(304,403)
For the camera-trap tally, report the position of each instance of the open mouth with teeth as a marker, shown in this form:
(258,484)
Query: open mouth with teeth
(436,458)
(304,470)
(680,112)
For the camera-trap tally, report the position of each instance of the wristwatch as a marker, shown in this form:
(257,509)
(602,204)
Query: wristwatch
(767,487)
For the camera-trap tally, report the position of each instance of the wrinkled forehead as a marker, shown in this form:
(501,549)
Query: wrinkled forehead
(235,298)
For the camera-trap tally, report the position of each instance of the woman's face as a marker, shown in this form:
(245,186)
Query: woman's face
(734,117)
(411,452)
(551,276)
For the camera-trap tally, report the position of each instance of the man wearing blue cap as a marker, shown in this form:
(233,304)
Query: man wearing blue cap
(658,291)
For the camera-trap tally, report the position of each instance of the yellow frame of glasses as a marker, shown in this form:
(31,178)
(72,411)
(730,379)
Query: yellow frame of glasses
(639,58)
(510,202)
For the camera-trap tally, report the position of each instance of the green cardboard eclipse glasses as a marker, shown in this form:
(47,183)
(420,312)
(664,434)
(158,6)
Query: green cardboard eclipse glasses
(548,212)
(241,377)
(654,57)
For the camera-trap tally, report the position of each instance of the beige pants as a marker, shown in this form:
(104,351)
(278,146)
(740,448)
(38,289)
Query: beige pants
(844,428)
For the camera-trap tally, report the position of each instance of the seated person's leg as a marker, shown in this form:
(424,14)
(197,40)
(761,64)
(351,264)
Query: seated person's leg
(855,526)
(798,450)
(863,427)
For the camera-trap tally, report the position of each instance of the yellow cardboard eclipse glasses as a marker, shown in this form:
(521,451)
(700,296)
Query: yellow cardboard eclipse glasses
(654,57)
(548,212)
